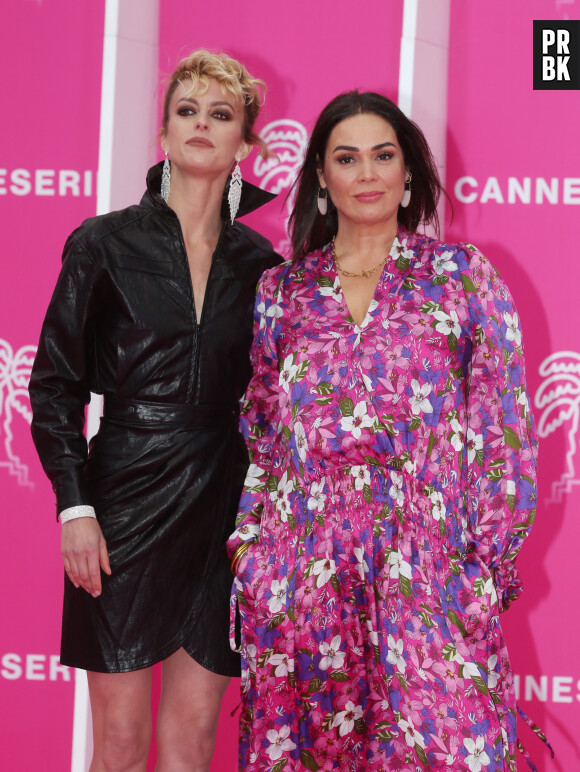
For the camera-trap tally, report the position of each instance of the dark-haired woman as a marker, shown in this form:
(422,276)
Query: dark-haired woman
(392,477)
(153,309)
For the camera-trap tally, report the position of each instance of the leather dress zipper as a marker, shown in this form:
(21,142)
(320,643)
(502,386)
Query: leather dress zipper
(197,326)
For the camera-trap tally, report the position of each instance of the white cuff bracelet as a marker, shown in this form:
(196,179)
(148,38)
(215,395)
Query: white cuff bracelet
(71,513)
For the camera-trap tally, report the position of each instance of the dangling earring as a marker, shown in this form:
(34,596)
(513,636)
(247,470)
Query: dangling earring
(322,200)
(166,179)
(235,191)
(406,200)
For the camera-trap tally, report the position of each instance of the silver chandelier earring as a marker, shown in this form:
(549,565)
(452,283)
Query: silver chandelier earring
(166,179)
(322,200)
(235,191)
(406,200)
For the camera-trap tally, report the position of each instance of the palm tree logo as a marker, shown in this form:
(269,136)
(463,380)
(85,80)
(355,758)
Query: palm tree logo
(558,397)
(288,140)
(15,369)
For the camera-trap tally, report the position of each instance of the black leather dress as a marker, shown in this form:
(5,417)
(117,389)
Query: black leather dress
(165,471)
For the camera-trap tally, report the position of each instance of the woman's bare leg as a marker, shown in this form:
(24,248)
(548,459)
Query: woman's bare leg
(191,697)
(121,708)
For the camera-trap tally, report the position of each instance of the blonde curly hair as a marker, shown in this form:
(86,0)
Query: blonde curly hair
(232,76)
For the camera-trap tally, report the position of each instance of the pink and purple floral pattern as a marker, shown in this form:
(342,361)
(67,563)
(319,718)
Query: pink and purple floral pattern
(392,483)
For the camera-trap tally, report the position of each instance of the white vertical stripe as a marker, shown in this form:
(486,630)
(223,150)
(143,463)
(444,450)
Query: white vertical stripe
(81,750)
(82,736)
(407,58)
(108,86)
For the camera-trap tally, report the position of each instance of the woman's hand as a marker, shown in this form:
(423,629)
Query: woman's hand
(84,553)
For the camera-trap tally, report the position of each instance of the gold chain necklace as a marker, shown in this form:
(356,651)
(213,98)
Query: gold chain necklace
(349,274)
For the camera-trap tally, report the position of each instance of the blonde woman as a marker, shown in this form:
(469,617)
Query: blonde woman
(153,309)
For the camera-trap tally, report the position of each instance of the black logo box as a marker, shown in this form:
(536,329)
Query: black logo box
(556,55)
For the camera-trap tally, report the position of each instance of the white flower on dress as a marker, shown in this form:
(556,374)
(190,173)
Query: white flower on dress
(281,663)
(443,263)
(419,402)
(253,477)
(358,421)
(447,323)
(280,742)
(437,505)
(331,654)
(301,441)
(278,600)
(412,736)
(323,570)
(317,496)
(477,758)
(362,476)
(396,489)
(399,566)
(513,331)
(333,292)
(361,566)
(250,654)
(493,676)
(287,373)
(458,436)
(345,719)
(246,532)
(474,443)
(395,655)
(281,496)
(470,670)
(274,312)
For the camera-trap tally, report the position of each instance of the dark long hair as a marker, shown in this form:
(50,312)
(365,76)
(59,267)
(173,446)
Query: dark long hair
(309,230)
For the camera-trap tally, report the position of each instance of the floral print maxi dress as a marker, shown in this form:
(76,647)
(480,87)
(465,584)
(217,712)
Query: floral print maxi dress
(391,485)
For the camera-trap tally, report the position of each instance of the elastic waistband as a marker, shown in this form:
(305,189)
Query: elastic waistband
(138,411)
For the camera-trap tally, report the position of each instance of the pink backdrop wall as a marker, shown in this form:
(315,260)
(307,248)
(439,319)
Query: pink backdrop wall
(499,127)
(503,137)
(50,96)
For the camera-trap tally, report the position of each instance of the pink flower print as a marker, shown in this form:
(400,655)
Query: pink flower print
(393,358)
(280,742)
(447,674)
(453,302)
(485,293)
(419,323)
(345,719)
(327,746)
(411,709)
(435,404)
